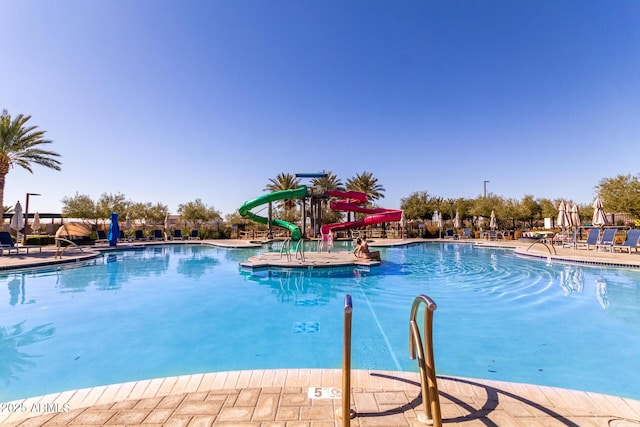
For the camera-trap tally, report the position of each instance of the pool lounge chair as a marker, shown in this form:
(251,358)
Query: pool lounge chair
(449,233)
(194,235)
(631,241)
(7,244)
(608,237)
(157,235)
(466,233)
(177,234)
(139,235)
(102,236)
(592,239)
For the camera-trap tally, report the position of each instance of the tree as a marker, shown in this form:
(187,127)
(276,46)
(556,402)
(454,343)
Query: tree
(327,183)
(111,203)
(156,213)
(621,194)
(284,181)
(322,185)
(366,183)
(21,145)
(417,206)
(197,212)
(80,206)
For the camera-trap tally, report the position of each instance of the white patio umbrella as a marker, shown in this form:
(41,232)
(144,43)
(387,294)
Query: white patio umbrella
(599,218)
(563,217)
(574,215)
(166,226)
(493,224)
(437,218)
(35,225)
(17,220)
(456,220)
(127,223)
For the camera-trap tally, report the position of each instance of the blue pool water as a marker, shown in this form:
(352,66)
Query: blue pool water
(183,309)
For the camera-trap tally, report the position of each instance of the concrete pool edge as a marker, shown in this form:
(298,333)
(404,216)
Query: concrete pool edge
(279,396)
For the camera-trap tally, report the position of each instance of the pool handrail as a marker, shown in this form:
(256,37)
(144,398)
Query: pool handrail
(428,381)
(58,240)
(286,244)
(346,366)
(300,249)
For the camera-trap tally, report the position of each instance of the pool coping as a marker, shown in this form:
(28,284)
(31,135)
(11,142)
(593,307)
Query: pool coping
(280,397)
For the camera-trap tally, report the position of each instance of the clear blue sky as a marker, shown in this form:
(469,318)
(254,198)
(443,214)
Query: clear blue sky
(169,101)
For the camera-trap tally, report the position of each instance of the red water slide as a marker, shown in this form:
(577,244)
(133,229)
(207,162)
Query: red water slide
(350,202)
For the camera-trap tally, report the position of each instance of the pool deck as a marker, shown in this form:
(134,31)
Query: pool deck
(273,398)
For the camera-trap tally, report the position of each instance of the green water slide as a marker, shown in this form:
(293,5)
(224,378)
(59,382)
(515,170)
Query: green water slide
(245,209)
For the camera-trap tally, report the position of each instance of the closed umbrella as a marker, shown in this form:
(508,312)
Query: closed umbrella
(35,225)
(17,220)
(114,230)
(456,220)
(599,218)
(563,217)
(127,223)
(574,214)
(166,226)
(493,224)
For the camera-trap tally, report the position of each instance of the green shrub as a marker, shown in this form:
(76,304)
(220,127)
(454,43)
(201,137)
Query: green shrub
(40,240)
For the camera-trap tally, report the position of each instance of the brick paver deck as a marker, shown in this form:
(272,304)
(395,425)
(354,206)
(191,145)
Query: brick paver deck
(273,398)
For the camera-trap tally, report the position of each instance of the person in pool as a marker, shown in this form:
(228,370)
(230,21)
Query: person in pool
(362,251)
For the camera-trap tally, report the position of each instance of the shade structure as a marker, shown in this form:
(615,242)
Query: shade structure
(563,217)
(599,217)
(493,224)
(114,230)
(574,215)
(35,225)
(17,220)
(456,220)
(74,229)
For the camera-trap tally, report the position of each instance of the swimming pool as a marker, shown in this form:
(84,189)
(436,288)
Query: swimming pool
(172,310)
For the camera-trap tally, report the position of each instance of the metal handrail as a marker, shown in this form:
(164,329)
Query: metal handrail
(346,365)
(286,244)
(547,246)
(300,249)
(71,243)
(426,363)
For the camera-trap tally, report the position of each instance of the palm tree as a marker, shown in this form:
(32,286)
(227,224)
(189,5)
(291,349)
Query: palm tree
(324,184)
(284,181)
(20,145)
(327,183)
(366,183)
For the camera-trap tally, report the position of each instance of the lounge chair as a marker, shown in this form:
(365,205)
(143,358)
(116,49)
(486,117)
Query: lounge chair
(102,236)
(139,235)
(631,241)
(7,244)
(177,234)
(592,239)
(466,233)
(194,235)
(449,234)
(124,237)
(492,235)
(157,235)
(608,237)
(570,242)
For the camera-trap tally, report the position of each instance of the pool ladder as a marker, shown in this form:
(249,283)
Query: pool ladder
(428,381)
(286,249)
(424,354)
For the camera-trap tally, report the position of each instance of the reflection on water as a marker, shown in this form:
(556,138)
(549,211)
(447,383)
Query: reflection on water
(13,355)
(571,279)
(137,304)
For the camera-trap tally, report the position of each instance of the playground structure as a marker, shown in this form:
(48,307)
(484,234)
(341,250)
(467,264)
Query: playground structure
(347,201)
